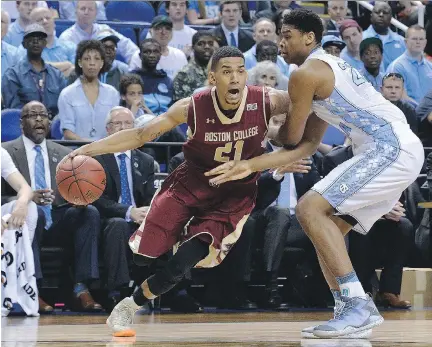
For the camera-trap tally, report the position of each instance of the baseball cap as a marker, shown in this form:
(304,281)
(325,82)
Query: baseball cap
(331,40)
(348,23)
(161,20)
(34,30)
(371,41)
(107,35)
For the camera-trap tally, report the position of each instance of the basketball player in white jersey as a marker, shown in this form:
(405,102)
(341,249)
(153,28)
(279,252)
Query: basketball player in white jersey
(387,159)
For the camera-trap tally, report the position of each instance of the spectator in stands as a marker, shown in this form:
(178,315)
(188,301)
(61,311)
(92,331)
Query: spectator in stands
(158,87)
(84,104)
(131,93)
(229,33)
(371,53)
(30,78)
(412,65)
(68,10)
(393,43)
(124,203)
(424,116)
(269,9)
(182,34)
(203,12)
(171,59)
(264,29)
(267,73)
(17,29)
(114,69)
(75,229)
(194,75)
(392,89)
(332,45)
(58,53)
(351,33)
(85,28)
(8,52)
(337,11)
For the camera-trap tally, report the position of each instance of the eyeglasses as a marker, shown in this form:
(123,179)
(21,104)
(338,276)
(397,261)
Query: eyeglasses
(393,74)
(34,116)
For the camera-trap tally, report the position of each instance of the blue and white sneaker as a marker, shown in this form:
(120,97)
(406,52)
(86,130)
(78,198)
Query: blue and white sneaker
(307,333)
(357,314)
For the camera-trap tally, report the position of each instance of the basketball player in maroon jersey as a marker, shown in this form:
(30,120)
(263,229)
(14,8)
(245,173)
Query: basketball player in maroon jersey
(226,122)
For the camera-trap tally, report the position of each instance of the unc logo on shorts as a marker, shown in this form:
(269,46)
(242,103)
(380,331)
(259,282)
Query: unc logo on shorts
(343,188)
(251,107)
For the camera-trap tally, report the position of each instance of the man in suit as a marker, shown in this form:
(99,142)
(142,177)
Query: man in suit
(59,223)
(337,11)
(124,203)
(229,33)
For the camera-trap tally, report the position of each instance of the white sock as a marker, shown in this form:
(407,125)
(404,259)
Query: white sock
(350,285)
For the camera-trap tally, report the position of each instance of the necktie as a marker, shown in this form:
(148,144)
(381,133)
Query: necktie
(233,40)
(284,195)
(40,181)
(125,191)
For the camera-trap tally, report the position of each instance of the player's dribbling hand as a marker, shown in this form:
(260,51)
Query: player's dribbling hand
(396,213)
(70,156)
(301,166)
(230,171)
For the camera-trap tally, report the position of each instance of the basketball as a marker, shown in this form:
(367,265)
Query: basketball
(81,180)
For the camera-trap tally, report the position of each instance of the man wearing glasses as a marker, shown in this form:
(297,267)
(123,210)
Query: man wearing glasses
(412,65)
(30,78)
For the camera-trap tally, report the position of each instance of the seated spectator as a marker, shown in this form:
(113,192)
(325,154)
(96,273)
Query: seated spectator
(267,73)
(194,74)
(392,89)
(11,8)
(124,204)
(393,43)
(264,29)
(58,53)
(337,11)
(351,34)
(17,29)
(424,116)
(84,104)
(85,28)
(406,12)
(115,69)
(269,9)
(158,87)
(59,224)
(371,53)
(229,33)
(68,9)
(412,65)
(171,59)
(131,93)
(387,244)
(30,78)
(8,52)
(203,12)
(17,235)
(332,45)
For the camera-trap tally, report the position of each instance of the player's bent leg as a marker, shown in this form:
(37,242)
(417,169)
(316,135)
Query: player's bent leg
(189,254)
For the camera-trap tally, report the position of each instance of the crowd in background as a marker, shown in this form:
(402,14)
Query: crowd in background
(91,81)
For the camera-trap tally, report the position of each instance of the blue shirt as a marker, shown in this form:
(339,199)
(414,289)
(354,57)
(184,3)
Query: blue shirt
(79,116)
(417,75)
(75,35)
(251,61)
(394,46)
(22,84)
(67,10)
(355,63)
(375,81)
(212,8)
(15,34)
(60,51)
(8,56)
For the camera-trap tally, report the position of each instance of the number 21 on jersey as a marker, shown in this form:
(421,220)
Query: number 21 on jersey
(223,153)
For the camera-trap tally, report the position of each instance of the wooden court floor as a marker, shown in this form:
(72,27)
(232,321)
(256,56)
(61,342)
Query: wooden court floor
(269,329)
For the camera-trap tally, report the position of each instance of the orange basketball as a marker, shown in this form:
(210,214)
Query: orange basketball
(81,180)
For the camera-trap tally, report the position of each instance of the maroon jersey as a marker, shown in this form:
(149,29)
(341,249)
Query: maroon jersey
(215,138)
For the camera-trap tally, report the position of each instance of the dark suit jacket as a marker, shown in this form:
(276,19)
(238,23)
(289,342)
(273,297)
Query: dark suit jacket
(245,39)
(142,166)
(17,151)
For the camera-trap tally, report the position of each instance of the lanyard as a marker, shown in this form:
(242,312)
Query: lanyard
(40,84)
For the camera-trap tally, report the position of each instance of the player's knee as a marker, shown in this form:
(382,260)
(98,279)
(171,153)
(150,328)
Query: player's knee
(303,210)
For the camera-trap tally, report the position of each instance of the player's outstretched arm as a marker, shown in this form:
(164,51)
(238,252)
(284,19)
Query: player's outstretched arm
(134,138)
(235,170)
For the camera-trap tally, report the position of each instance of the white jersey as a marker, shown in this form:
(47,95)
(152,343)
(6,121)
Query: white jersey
(357,109)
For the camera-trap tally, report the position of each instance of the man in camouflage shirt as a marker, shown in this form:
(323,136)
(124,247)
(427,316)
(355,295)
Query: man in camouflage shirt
(194,74)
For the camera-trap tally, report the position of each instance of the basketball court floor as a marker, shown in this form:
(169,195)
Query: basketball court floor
(267,329)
